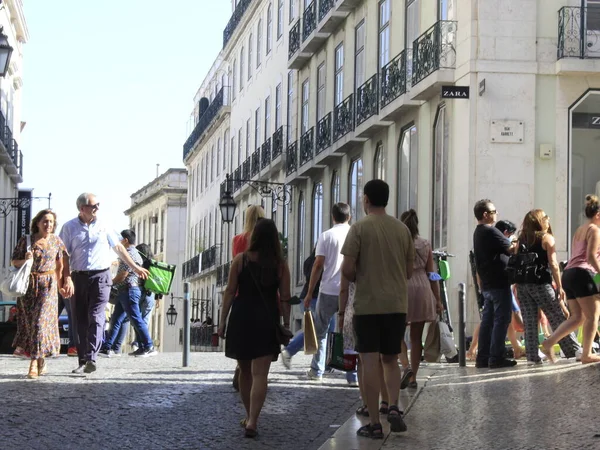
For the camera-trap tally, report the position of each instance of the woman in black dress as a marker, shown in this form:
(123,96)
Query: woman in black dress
(257,276)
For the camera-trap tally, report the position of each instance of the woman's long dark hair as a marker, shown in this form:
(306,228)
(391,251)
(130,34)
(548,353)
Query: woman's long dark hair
(146,254)
(265,242)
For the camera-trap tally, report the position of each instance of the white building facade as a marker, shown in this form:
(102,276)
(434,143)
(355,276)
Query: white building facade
(157,213)
(447,101)
(12,20)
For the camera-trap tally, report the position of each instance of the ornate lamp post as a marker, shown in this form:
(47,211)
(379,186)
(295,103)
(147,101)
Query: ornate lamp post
(171,313)
(5,53)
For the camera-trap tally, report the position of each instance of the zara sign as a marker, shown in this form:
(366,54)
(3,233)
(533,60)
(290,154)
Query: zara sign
(455,91)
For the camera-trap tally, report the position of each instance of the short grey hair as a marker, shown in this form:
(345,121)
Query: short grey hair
(83,199)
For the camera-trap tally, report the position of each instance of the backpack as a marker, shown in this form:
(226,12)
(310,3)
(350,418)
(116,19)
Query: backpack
(523,267)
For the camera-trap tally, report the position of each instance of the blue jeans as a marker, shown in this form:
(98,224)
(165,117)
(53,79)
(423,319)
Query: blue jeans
(297,343)
(146,306)
(118,322)
(497,312)
(131,305)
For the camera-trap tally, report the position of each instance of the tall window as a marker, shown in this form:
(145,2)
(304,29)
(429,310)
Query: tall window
(269,28)
(242,59)
(225,150)
(219,155)
(321,91)
(248,133)
(339,75)
(379,162)
(411,32)
(232,150)
(300,232)
(441,130)
(267,117)
(240,155)
(359,57)
(279,19)
(290,105)
(258,42)
(317,212)
(335,187)
(257,128)
(384,32)
(212,163)
(407,170)
(250,44)
(292,10)
(305,98)
(446,9)
(355,189)
(234,81)
(206,167)
(278,106)
(285,221)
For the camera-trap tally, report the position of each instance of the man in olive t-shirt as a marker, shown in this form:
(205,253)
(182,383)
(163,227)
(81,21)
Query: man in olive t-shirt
(378,255)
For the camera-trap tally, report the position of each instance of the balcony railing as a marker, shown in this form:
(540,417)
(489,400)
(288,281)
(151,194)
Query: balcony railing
(309,20)
(255,168)
(235,19)
(433,50)
(393,79)
(237,176)
(209,258)
(191,267)
(579,32)
(307,145)
(246,169)
(324,8)
(294,44)
(277,143)
(265,154)
(204,121)
(343,118)
(367,100)
(323,134)
(223,274)
(291,158)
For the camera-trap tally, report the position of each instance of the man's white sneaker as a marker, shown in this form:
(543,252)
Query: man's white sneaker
(353,383)
(286,359)
(312,376)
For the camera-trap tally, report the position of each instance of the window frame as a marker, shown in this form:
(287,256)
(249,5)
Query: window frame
(409,199)
(258,43)
(242,56)
(300,238)
(269,43)
(267,118)
(356,212)
(379,162)
(279,19)
(278,92)
(439,240)
(338,81)
(321,90)
(317,211)
(257,128)
(360,53)
(305,110)
(250,51)
(384,30)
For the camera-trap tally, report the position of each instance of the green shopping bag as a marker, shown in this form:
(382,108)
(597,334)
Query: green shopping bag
(335,357)
(160,277)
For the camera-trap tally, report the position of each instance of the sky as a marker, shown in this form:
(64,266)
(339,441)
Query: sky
(108,90)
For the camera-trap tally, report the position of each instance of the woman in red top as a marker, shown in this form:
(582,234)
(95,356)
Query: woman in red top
(240,241)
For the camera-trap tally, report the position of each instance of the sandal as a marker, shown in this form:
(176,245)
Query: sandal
(250,433)
(33,370)
(42,367)
(371,431)
(243,422)
(362,411)
(384,409)
(396,421)
(406,376)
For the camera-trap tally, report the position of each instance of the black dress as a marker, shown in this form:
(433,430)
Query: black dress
(251,327)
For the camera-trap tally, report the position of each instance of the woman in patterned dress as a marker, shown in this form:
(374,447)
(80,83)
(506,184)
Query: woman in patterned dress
(37,332)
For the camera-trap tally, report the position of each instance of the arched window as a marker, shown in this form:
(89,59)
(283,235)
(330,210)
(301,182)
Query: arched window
(219,156)
(258,42)
(335,191)
(379,162)
(250,43)
(225,149)
(269,28)
(441,141)
(300,233)
(233,81)
(407,169)
(279,19)
(242,60)
(355,189)
(317,212)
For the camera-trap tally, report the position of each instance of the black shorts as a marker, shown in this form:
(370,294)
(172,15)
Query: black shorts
(578,282)
(379,333)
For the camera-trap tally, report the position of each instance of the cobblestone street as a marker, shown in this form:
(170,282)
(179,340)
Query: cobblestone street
(154,403)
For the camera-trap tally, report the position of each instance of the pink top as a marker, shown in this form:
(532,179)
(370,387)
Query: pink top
(579,256)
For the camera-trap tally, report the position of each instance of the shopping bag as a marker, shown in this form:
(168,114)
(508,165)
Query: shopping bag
(335,356)
(310,336)
(447,346)
(16,282)
(160,277)
(432,343)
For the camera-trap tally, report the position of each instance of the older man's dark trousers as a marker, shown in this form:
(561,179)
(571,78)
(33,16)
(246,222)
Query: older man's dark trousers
(92,290)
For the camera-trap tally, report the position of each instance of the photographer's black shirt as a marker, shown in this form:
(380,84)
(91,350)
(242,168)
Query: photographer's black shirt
(491,256)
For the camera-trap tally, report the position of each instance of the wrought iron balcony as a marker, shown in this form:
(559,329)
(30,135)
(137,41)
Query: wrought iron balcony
(235,20)
(294,44)
(226,268)
(220,276)
(255,168)
(265,154)
(323,134)
(191,267)
(433,50)
(578,34)
(309,20)
(246,169)
(277,143)
(367,100)
(307,145)
(237,176)
(393,79)
(291,158)
(204,121)
(208,258)
(11,157)
(324,7)
(343,118)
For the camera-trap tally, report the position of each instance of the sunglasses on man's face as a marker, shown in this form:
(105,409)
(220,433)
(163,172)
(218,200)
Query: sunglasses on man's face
(93,207)
(493,211)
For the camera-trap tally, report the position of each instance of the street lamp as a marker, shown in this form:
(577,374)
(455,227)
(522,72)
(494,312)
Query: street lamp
(227,206)
(5,53)
(171,313)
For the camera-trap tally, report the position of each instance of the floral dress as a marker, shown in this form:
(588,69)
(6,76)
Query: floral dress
(37,316)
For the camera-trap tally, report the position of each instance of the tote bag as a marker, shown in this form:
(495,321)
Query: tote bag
(310,335)
(336,358)
(160,277)
(17,281)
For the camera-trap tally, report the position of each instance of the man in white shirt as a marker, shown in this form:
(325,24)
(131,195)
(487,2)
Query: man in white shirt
(328,262)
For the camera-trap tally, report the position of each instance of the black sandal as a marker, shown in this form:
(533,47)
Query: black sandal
(371,431)
(396,421)
(250,433)
(384,409)
(362,411)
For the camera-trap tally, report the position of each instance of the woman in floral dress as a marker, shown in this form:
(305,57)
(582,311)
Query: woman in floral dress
(37,333)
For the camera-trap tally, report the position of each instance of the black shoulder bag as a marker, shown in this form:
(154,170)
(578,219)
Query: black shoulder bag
(523,267)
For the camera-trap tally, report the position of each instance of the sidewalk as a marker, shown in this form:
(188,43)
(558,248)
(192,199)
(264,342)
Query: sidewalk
(545,407)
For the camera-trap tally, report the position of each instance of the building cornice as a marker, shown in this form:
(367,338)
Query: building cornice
(166,191)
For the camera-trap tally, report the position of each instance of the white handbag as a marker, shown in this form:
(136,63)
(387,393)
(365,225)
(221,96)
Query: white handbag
(17,281)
